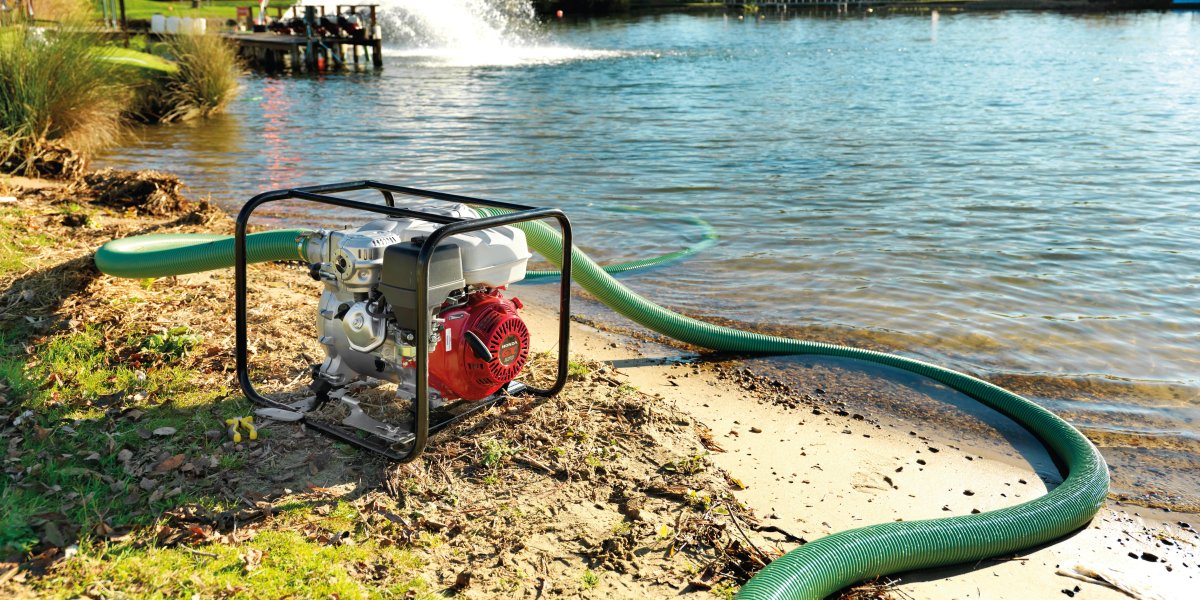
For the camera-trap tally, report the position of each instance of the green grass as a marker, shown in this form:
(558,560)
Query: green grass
(290,565)
(212,9)
(69,384)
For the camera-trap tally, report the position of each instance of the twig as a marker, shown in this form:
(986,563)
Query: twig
(787,535)
(525,458)
(199,553)
(734,519)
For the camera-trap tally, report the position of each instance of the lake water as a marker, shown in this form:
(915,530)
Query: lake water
(1013,194)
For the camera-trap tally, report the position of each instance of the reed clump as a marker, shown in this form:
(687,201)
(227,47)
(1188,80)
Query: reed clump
(57,100)
(204,84)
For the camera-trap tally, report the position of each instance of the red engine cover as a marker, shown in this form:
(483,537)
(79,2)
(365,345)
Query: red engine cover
(459,366)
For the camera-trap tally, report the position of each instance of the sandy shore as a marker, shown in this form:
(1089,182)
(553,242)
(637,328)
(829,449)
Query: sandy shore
(811,471)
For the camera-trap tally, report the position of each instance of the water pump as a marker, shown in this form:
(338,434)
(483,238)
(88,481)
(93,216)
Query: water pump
(367,316)
(418,299)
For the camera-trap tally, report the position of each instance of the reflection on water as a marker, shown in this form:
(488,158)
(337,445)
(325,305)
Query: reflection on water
(1013,194)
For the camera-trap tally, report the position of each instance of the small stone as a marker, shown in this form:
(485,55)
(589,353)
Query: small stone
(165,431)
(213,435)
(1149,557)
(462,581)
(148,484)
(755,430)
(968,493)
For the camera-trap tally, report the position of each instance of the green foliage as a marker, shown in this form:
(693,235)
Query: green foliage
(55,92)
(686,466)
(577,370)
(590,579)
(173,343)
(63,94)
(494,452)
(16,244)
(725,591)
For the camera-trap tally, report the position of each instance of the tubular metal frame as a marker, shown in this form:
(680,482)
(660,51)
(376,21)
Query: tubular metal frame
(450,226)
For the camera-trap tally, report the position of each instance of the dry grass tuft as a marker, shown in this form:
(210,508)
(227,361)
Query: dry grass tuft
(55,99)
(205,83)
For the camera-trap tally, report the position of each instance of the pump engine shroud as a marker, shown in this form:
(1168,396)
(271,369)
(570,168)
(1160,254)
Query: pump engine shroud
(403,443)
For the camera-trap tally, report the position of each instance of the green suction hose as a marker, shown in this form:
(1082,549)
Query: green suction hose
(708,238)
(160,255)
(820,568)
(814,570)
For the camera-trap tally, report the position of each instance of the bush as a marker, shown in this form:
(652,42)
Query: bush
(206,81)
(55,97)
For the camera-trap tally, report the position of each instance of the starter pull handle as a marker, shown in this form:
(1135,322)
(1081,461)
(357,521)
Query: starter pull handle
(477,346)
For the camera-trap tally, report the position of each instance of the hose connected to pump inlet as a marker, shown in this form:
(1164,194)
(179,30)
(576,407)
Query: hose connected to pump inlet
(813,570)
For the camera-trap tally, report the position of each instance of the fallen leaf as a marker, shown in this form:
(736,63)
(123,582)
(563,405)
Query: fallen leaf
(124,455)
(7,571)
(109,399)
(169,464)
(320,460)
(52,535)
(251,558)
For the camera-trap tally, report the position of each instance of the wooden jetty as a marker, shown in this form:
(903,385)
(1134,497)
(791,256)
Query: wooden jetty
(275,52)
(310,51)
